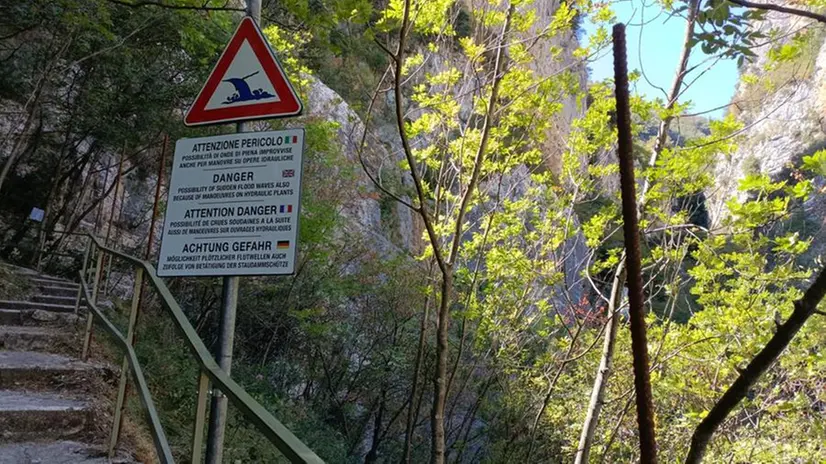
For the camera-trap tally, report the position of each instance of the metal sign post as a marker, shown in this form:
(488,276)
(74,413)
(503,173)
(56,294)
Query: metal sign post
(226,340)
(234,204)
(226,337)
(234,200)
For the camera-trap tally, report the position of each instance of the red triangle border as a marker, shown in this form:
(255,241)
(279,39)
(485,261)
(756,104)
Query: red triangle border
(289,104)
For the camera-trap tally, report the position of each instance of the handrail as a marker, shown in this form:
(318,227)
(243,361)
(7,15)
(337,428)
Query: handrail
(158,435)
(287,443)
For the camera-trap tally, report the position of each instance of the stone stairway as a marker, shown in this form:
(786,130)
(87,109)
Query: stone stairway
(49,398)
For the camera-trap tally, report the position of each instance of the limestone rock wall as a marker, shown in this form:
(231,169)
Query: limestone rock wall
(784,114)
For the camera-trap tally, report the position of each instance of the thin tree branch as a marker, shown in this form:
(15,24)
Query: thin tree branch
(781,9)
(804,308)
(159,4)
(363,143)
(674,93)
(386,50)
(499,69)
(408,150)
(107,49)
(597,399)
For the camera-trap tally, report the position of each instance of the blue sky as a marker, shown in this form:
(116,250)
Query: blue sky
(662,38)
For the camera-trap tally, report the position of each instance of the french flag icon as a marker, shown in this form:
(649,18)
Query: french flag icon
(285,209)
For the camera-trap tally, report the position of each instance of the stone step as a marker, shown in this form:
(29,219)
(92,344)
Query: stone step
(58,300)
(39,275)
(53,290)
(29,317)
(41,282)
(58,308)
(33,370)
(35,415)
(22,271)
(42,339)
(33,274)
(57,452)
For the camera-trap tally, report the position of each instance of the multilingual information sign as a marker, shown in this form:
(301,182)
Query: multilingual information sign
(233,205)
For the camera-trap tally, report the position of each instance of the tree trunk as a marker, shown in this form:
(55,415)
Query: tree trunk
(373,454)
(437,416)
(30,107)
(16,149)
(586,439)
(440,378)
(804,308)
(412,412)
(445,265)
(674,93)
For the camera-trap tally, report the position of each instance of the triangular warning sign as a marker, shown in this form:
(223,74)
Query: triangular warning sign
(246,83)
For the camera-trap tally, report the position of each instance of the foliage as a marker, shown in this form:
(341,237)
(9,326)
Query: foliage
(96,79)
(726,30)
(12,286)
(525,184)
(789,60)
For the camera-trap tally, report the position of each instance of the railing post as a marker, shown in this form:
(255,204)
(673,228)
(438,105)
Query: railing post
(86,254)
(93,248)
(200,418)
(108,276)
(83,273)
(87,338)
(124,370)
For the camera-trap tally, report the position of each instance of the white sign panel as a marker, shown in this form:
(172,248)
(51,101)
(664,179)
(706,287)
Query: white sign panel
(233,205)
(37,215)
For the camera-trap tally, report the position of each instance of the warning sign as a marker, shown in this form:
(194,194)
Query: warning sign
(247,83)
(233,205)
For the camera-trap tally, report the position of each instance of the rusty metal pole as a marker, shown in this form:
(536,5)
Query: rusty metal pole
(639,344)
(112,218)
(116,238)
(99,212)
(200,418)
(115,196)
(83,273)
(155,206)
(137,299)
(41,233)
(151,240)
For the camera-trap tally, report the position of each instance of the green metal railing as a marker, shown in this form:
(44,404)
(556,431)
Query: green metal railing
(287,443)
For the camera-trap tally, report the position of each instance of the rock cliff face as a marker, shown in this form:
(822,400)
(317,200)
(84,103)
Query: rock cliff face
(362,210)
(390,226)
(784,114)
